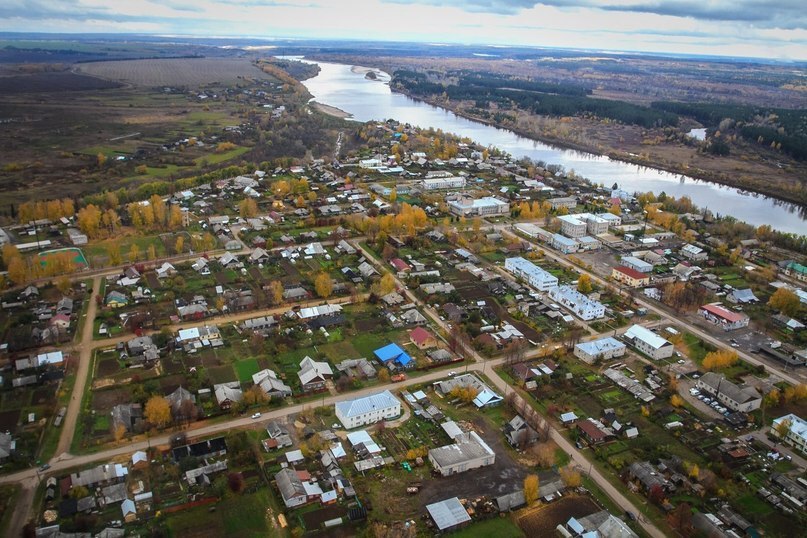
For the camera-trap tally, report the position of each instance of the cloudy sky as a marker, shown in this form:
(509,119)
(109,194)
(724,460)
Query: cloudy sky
(723,27)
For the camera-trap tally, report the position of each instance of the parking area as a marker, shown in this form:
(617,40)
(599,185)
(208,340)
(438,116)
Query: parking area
(703,402)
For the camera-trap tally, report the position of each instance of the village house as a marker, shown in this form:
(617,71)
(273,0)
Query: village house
(313,374)
(519,434)
(228,394)
(422,338)
(693,253)
(485,397)
(593,431)
(392,356)
(727,319)
(269,383)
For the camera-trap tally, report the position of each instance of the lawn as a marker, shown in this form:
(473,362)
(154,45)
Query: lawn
(239,516)
(502,527)
(246,368)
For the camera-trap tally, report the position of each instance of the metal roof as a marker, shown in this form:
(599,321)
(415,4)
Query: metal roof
(373,402)
(448,513)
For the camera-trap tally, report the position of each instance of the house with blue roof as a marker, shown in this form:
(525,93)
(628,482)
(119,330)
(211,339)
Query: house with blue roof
(392,355)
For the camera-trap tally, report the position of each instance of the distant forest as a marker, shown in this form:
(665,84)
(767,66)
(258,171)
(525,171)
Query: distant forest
(784,128)
(536,97)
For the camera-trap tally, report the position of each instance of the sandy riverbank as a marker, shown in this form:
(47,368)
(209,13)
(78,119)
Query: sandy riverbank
(331,110)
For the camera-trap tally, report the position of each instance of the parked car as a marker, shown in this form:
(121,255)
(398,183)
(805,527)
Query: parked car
(256,415)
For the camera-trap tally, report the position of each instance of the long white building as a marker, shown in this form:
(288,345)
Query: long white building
(602,349)
(451,182)
(649,342)
(580,305)
(532,274)
(368,410)
(469,207)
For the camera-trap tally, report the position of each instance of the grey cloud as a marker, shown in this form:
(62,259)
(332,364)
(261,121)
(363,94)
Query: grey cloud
(760,13)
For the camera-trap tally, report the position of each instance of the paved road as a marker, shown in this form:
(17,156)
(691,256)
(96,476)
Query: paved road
(656,309)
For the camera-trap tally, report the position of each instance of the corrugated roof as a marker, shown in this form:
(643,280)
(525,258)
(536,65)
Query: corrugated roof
(448,513)
(360,406)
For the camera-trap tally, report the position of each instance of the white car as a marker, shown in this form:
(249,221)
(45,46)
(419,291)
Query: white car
(256,415)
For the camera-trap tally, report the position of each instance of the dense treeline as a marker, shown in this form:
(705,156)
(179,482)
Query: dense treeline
(785,128)
(534,97)
(493,82)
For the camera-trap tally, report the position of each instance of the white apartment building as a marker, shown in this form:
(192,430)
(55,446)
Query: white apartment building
(468,207)
(368,410)
(532,274)
(451,182)
(580,305)
(649,342)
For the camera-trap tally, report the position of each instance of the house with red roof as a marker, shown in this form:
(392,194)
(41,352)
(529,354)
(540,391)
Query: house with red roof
(422,338)
(720,315)
(400,265)
(630,277)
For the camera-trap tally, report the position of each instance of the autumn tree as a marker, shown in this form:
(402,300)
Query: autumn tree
(18,271)
(174,218)
(531,487)
(676,400)
(89,220)
(113,253)
(158,411)
(248,208)
(134,253)
(179,244)
(323,285)
(786,301)
(151,253)
(383,375)
(720,359)
(782,428)
(570,477)
(584,284)
(385,285)
(544,454)
(276,292)
(63,284)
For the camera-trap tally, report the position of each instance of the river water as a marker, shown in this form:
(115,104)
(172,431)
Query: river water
(340,86)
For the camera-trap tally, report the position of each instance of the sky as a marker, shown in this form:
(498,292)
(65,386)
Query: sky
(745,28)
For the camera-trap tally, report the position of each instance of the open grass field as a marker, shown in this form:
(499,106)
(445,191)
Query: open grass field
(239,516)
(246,368)
(176,71)
(45,82)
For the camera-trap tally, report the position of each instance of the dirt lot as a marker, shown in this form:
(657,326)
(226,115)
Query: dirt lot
(501,478)
(9,419)
(542,520)
(176,72)
(103,400)
(107,367)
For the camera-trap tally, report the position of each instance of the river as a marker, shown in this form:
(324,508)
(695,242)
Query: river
(340,86)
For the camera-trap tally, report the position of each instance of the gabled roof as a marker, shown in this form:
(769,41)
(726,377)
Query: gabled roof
(420,336)
(647,336)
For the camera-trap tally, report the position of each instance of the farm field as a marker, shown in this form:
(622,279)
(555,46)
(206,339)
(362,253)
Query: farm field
(176,71)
